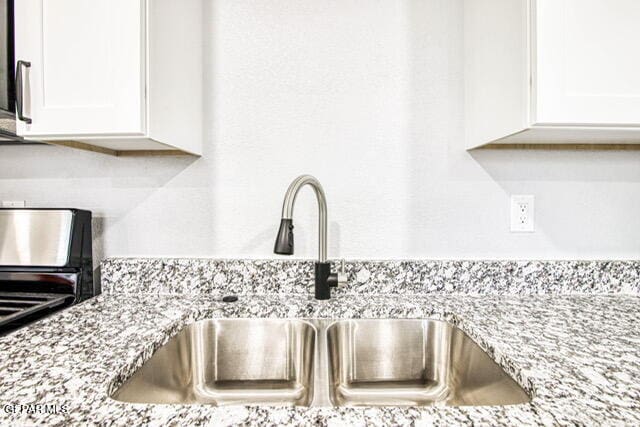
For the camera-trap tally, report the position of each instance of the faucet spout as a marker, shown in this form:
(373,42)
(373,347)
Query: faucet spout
(284,242)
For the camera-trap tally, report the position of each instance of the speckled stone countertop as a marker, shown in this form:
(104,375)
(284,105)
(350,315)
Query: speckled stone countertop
(577,354)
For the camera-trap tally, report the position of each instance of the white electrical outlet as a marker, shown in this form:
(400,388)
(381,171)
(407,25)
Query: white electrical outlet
(522,214)
(14,204)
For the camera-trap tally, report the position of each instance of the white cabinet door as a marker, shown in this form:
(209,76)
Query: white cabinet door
(586,62)
(87,66)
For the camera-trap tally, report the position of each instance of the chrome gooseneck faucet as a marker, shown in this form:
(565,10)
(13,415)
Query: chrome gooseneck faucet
(325,279)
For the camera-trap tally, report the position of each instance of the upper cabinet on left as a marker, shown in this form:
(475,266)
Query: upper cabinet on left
(115,76)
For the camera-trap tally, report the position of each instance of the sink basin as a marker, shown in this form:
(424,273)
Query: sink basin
(413,362)
(321,362)
(229,361)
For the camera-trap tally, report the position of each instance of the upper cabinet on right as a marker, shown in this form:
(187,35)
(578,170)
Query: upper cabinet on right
(563,72)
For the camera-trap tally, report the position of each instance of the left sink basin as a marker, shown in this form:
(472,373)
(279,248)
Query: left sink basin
(227,362)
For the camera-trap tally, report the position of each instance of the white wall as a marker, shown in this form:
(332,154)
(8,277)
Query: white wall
(367,96)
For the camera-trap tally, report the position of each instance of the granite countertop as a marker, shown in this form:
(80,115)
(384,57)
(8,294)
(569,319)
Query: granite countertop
(578,354)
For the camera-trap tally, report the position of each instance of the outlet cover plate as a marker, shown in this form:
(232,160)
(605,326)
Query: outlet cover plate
(522,214)
(13,204)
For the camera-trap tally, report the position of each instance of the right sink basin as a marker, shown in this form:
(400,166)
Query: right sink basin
(413,362)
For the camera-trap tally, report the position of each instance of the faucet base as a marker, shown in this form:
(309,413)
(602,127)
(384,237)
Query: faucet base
(323,276)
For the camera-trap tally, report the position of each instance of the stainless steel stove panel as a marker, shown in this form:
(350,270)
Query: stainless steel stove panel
(35,237)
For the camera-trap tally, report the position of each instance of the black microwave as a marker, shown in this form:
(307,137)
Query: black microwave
(7,59)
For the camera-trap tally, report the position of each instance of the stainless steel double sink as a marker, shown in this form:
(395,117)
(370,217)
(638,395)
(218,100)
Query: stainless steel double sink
(321,362)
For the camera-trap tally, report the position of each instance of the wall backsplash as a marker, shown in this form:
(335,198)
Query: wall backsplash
(367,97)
(207,276)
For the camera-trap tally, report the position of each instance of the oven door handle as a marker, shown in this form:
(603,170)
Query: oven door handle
(20,65)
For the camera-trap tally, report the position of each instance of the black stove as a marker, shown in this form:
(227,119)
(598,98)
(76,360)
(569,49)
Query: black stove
(45,263)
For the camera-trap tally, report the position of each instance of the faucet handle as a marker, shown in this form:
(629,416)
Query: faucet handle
(343,278)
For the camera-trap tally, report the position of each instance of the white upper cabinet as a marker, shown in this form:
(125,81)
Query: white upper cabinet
(86,74)
(111,75)
(587,65)
(552,72)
